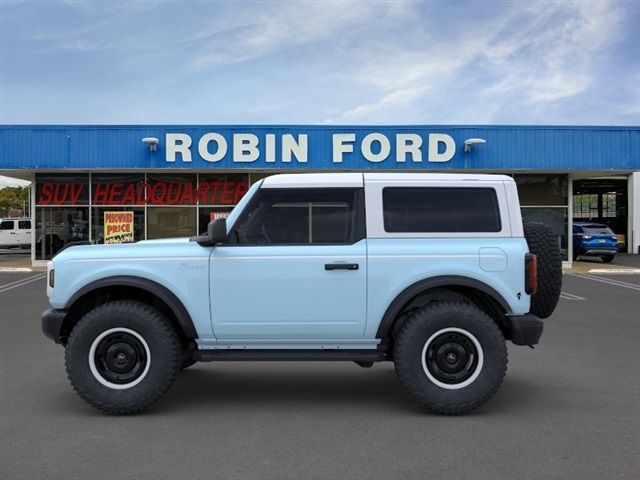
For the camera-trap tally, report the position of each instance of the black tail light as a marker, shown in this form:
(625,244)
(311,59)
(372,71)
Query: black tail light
(530,273)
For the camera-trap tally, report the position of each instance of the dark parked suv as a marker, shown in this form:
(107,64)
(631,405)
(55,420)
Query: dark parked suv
(594,239)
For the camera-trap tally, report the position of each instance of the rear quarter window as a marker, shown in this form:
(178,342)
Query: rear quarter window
(440,209)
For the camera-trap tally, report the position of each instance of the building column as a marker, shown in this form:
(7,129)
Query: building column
(570,219)
(634,213)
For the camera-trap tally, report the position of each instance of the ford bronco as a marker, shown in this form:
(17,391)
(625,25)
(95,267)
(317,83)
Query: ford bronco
(431,271)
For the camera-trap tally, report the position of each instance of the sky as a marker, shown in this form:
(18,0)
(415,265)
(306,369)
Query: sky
(332,62)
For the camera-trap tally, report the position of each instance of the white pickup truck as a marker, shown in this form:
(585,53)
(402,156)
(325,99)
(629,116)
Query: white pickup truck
(15,232)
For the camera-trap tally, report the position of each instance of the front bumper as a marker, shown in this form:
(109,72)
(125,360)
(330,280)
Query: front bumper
(52,323)
(524,329)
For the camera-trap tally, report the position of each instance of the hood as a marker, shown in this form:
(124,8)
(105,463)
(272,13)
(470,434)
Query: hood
(143,248)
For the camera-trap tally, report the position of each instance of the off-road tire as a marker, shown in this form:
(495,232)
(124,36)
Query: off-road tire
(543,243)
(147,323)
(411,343)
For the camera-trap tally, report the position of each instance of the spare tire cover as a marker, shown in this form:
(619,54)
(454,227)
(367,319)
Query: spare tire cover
(544,244)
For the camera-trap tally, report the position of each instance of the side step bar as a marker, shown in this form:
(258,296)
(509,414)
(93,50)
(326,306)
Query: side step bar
(289,355)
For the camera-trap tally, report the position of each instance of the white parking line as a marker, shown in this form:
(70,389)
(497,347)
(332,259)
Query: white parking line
(615,283)
(570,296)
(615,271)
(21,280)
(20,283)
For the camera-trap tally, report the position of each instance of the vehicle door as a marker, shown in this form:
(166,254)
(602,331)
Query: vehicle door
(24,232)
(7,232)
(294,268)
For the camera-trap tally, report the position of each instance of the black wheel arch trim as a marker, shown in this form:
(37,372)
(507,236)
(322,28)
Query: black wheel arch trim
(167,296)
(427,284)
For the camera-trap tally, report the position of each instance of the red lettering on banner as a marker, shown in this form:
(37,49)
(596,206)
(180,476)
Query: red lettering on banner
(214,197)
(61,194)
(114,194)
(45,194)
(173,194)
(187,196)
(203,191)
(155,197)
(241,189)
(142,194)
(227,194)
(76,191)
(100,194)
(129,196)
(212,192)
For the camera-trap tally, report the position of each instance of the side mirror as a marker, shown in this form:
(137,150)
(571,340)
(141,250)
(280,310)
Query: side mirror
(216,233)
(217,230)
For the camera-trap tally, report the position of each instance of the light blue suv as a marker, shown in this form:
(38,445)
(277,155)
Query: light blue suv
(431,271)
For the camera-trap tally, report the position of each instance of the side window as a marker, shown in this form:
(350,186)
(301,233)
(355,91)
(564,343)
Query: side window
(24,224)
(6,225)
(299,217)
(440,209)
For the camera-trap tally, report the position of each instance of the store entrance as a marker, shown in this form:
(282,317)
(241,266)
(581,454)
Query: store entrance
(602,200)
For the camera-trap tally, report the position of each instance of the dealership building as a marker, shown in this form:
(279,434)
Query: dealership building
(174,179)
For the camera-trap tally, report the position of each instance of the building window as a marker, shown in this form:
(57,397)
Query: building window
(545,198)
(222,188)
(540,189)
(57,226)
(62,190)
(118,189)
(164,222)
(555,217)
(98,223)
(208,214)
(165,189)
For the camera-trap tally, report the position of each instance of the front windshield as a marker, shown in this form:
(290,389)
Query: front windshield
(235,213)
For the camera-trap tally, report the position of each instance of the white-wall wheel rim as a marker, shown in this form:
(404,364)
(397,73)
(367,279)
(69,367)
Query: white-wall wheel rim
(94,369)
(478,367)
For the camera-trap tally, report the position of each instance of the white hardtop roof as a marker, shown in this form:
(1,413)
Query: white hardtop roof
(356,179)
(311,180)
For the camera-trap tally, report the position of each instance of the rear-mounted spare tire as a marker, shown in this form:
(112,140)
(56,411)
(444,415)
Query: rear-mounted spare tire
(544,244)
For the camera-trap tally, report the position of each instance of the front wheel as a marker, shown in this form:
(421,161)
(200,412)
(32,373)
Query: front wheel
(123,356)
(451,357)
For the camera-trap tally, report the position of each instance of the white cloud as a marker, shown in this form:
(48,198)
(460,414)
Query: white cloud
(551,57)
(285,26)
(524,58)
(387,106)
(302,62)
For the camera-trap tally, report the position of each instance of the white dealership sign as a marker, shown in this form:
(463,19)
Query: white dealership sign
(247,147)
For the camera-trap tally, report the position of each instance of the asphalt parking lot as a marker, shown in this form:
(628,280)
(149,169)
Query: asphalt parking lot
(568,409)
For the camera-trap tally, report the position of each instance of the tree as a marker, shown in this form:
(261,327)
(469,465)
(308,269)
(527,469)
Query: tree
(13,198)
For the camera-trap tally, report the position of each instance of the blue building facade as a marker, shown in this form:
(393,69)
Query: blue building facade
(175,178)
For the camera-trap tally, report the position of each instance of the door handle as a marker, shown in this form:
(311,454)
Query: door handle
(341,266)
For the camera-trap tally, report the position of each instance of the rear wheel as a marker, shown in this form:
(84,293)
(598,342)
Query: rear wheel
(608,258)
(122,356)
(451,357)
